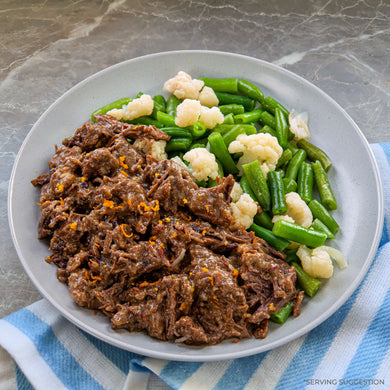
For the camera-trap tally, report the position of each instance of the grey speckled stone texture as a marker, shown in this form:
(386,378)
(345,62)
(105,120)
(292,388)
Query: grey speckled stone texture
(49,46)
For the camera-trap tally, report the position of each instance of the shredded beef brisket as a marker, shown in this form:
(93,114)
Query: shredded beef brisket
(138,239)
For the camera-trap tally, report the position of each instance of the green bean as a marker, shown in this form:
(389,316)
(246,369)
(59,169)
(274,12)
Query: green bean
(218,147)
(290,134)
(309,284)
(198,129)
(270,104)
(276,188)
(268,130)
(295,163)
(176,144)
(159,104)
(292,147)
(228,119)
(315,153)
(267,235)
(177,132)
(248,117)
(297,233)
(203,141)
(281,127)
(258,183)
(201,183)
(268,119)
(290,185)
(177,153)
(263,219)
(160,100)
(108,107)
(165,119)
(232,109)
(284,158)
(281,171)
(228,98)
(250,90)
(324,189)
(250,130)
(221,85)
(195,146)
(291,255)
(221,173)
(321,227)
(305,182)
(213,182)
(146,120)
(280,317)
(224,128)
(232,134)
(172,103)
(320,211)
(244,184)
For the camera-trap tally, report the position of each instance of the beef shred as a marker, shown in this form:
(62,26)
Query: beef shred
(137,239)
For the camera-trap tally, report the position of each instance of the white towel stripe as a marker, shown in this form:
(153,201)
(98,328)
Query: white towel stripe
(137,381)
(156,365)
(156,383)
(22,349)
(273,366)
(351,332)
(100,368)
(207,375)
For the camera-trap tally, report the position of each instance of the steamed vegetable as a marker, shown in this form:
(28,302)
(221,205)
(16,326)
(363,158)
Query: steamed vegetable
(283,177)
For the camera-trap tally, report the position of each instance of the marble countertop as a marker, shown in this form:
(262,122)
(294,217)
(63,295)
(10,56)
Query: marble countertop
(49,46)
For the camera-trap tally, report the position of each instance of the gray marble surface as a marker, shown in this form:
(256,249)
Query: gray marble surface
(49,46)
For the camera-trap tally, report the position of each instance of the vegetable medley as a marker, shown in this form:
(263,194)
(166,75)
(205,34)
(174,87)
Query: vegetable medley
(227,126)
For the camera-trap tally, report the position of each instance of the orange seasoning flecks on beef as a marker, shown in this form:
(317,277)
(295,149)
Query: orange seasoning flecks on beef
(138,239)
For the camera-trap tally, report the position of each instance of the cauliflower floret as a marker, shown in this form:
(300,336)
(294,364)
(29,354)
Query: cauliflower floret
(335,255)
(298,124)
(187,112)
(316,262)
(117,112)
(142,106)
(262,147)
(203,163)
(211,117)
(285,217)
(208,98)
(180,162)
(183,86)
(236,192)
(243,211)
(156,148)
(298,210)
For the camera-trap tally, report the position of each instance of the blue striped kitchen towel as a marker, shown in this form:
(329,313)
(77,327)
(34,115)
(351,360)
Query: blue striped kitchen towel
(350,350)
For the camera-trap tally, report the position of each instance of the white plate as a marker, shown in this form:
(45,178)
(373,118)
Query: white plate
(354,175)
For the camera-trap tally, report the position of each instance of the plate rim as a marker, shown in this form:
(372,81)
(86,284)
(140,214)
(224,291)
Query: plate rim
(205,356)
